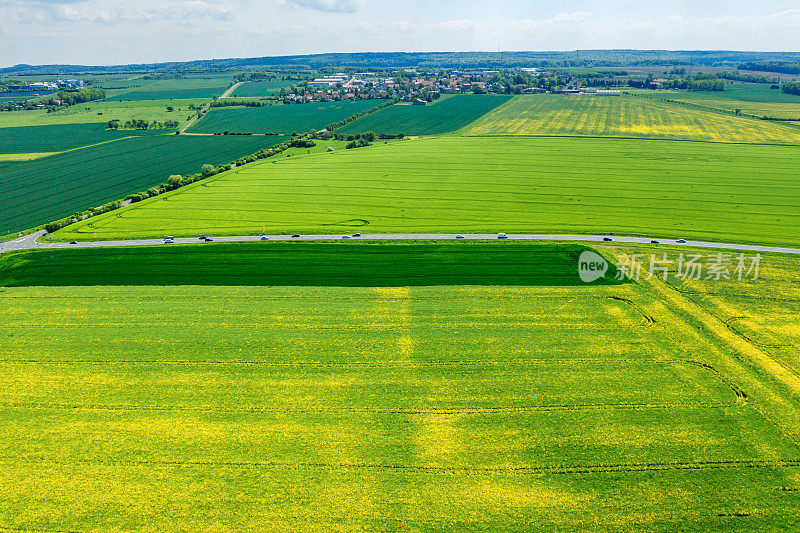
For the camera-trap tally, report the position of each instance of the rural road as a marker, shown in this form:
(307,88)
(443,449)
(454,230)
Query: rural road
(205,107)
(230,90)
(30,241)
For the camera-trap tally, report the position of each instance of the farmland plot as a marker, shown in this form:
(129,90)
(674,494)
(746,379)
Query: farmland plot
(481,185)
(626,116)
(254,89)
(779,110)
(279,118)
(35,192)
(442,116)
(102,112)
(173,89)
(407,407)
(57,138)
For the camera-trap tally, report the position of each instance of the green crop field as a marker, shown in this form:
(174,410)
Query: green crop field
(443,116)
(626,116)
(714,191)
(730,100)
(172,89)
(6,97)
(279,118)
(35,192)
(406,407)
(757,92)
(261,88)
(301,264)
(56,138)
(102,112)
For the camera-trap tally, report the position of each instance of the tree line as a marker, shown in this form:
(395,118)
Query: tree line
(783,67)
(142,124)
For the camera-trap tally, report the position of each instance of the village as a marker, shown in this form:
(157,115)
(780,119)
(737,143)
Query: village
(420,88)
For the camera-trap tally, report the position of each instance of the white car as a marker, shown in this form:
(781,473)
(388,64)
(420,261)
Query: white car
(169,240)
(502,236)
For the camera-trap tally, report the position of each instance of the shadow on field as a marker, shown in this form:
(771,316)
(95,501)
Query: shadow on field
(303,264)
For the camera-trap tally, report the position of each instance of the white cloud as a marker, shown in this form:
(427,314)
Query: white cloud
(330,6)
(142,12)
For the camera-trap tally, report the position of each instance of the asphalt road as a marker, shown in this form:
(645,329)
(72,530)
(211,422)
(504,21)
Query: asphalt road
(30,241)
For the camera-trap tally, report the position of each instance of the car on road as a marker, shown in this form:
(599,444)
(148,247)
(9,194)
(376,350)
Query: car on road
(345,236)
(459,236)
(356,235)
(681,241)
(202,237)
(607,239)
(502,236)
(264,238)
(296,235)
(169,240)
(654,241)
(73,242)
(209,239)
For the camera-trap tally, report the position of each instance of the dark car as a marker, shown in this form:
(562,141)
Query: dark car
(202,237)
(209,239)
(73,242)
(654,241)
(356,235)
(607,239)
(295,235)
(681,241)
(264,238)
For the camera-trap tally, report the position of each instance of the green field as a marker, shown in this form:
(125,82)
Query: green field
(35,192)
(757,92)
(102,112)
(300,264)
(712,191)
(626,116)
(172,89)
(261,88)
(442,116)
(57,138)
(6,97)
(759,101)
(279,118)
(458,407)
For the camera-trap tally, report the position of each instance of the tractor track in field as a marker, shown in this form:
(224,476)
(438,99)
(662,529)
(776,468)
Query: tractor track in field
(598,468)
(443,411)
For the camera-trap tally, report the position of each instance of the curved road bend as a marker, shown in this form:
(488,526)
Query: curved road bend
(30,242)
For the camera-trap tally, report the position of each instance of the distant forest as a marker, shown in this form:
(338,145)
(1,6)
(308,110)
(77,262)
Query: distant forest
(783,67)
(577,58)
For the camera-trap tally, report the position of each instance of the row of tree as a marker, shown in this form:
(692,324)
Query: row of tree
(142,124)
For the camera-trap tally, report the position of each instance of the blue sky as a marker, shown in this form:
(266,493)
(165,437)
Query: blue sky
(126,31)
